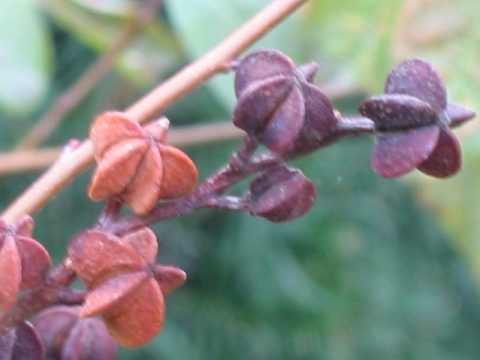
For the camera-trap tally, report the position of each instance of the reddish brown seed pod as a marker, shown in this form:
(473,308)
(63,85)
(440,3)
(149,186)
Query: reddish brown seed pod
(135,164)
(97,256)
(125,287)
(10,273)
(24,262)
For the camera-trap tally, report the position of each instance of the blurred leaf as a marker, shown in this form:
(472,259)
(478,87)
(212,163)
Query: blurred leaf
(108,7)
(202,27)
(456,203)
(25,57)
(151,53)
(364,39)
(354,38)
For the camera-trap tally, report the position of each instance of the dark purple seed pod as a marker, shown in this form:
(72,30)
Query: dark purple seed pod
(413,120)
(272,111)
(446,159)
(281,194)
(458,115)
(261,65)
(418,78)
(399,153)
(308,71)
(392,112)
(89,339)
(21,343)
(319,128)
(67,337)
(53,326)
(279,106)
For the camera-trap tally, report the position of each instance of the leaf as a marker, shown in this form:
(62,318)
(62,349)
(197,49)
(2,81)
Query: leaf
(107,7)
(356,38)
(205,26)
(26,56)
(149,55)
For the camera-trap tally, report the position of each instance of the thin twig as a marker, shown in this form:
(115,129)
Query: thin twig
(71,97)
(160,98)
(22,161)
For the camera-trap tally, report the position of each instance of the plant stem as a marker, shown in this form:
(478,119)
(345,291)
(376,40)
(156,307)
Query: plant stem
(54,291)
(355,125)
(31,160)
(207,194)
(217,60)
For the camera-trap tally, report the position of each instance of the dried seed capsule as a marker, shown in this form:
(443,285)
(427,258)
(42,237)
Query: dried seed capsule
(168,277)
(124,284)
(20,343)
(24,262)
(278,105)
(10,272)
(89,339)
(97,256)
(135,164)
(413,120)
(67,337)
(281,194)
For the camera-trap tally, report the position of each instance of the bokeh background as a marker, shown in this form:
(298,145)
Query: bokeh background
(378,269)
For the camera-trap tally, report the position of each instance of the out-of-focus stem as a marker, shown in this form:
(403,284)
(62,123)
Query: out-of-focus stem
(71,97)
(21,161)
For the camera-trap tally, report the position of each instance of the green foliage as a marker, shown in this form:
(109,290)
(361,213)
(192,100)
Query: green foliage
(150,55)
(26,56)
(199,33)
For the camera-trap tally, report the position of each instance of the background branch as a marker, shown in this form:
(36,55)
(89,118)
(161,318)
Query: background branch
(70,98)
(31,160)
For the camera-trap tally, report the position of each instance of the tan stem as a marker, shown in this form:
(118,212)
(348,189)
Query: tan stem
(21,161)
(217,60)
(71,97)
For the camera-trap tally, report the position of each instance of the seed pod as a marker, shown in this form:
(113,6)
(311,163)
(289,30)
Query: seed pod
(97,256)
(67,337)
(21,343)
(16,241)
(89,339)
(168,277)
(135,164)
(135,322)
(281,194)
(412,122)
(10,272)
(124,284)
(279,105)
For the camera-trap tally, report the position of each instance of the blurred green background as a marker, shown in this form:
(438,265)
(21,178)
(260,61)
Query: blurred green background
(378,269)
